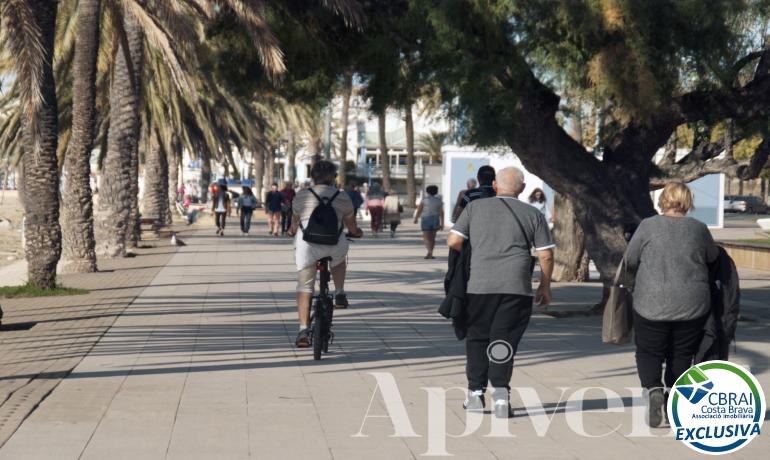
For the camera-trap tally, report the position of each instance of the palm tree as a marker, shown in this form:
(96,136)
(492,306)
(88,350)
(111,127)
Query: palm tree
(433,143)
(117,192)
(29,27)
(411,188)
(347,90)
(384,157)
(77,226)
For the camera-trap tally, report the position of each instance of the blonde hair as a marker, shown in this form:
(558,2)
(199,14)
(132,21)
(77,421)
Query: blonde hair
(676,197)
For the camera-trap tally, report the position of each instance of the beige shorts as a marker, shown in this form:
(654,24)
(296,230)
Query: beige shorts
(306,277)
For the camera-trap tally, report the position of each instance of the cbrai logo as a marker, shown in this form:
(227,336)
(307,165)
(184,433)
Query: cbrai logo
(716,407)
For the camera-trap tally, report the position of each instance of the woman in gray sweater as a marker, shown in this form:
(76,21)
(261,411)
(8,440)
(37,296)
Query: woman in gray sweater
(669,254)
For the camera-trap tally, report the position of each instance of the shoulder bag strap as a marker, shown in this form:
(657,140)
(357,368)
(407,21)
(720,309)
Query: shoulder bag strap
(518,222)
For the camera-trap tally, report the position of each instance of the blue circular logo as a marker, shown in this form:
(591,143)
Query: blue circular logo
(716,407)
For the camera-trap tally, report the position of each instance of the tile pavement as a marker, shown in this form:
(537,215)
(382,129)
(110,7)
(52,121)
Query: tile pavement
(200,366)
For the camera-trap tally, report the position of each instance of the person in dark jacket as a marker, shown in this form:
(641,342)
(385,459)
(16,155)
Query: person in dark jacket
(485,175)
(670,254)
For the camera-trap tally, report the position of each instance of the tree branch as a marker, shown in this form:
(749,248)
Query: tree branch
(702,161)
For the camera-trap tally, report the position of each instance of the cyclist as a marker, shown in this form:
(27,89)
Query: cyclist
(307,254)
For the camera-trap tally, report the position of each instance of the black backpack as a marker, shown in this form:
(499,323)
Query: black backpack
(323,227)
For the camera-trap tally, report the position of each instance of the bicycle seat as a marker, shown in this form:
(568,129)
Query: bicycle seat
(323,261)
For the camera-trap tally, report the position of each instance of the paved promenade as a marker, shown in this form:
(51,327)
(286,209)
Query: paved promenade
(201,366)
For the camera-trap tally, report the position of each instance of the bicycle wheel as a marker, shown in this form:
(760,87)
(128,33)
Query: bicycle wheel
(318,333)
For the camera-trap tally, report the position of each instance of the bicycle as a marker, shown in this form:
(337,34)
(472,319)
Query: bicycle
(322,312)
(322,309)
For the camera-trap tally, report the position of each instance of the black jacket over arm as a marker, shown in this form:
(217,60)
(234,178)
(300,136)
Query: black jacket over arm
(455,303)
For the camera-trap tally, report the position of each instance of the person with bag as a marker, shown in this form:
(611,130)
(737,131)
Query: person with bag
(392,209)
(502,231)
(247,202)
(669,254)
(374,202)
(320,214)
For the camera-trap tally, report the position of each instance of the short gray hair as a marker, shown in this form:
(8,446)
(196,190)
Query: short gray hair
(510,178)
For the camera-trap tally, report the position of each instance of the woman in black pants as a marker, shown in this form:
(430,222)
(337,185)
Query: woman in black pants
(672,297)
(220,205)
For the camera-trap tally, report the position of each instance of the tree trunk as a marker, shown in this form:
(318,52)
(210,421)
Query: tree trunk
(259,172)
(411,187)
(79,254)
(40,181)
(291,166)
(205,174)
(155,179)
(119,186)
(314,149)
(172,157)
(269,168)
(610,196)
(384,157)
(136,45)
(571,257)
(347,90)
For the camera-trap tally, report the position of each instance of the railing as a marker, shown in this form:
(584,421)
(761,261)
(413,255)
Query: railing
(396,171)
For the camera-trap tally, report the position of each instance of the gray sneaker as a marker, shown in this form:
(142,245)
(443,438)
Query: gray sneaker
(503,409)
(303,339)
(655,403)
(341,301)
(474,401)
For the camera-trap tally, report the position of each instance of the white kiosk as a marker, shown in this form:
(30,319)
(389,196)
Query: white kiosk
(462,163)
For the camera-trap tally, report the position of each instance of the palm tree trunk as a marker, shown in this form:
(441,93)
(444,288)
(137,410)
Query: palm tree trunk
(259,172)
(411,188)
(347,90)
(384,157)
(155,179)
(291,167)
(205,174)
(269,167)
(136,45)
(119,178)
(172,158)
(78,223)
(40,187)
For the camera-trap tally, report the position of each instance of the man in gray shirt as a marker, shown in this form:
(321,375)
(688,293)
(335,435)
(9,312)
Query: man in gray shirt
(502,232)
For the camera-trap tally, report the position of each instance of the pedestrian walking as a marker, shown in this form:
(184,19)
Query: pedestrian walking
(220,205)
(458,208)
(273,206)
(669,254)
(355,196)
(538,200)
(287,196)
(392,210)
(485,176)
(430,213)
(502,231)
(247,204)
(375,201)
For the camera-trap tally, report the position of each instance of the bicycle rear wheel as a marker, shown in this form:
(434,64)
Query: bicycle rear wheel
(318,334)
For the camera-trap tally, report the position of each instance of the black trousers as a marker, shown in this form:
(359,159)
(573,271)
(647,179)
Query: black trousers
(500,320)
(221,217)
(672,342)
(286,219)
